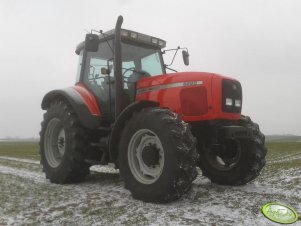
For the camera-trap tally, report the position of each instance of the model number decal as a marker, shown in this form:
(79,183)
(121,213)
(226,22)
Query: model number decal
(191,83)
(168,86)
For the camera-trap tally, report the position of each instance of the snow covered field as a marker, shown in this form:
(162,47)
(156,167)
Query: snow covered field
(27,198)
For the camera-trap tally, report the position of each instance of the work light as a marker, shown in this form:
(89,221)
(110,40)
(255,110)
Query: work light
(124,33)
(134,35)
(154,40)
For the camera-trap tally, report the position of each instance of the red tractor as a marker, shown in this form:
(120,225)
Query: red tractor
(155,127)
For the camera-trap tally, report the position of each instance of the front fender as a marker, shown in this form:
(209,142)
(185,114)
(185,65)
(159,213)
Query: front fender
(120,123)
(82,102)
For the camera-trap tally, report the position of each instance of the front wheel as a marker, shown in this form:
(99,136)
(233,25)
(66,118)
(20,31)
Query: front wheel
(157,156)
(234,161)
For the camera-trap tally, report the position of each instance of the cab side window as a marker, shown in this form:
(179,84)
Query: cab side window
(95,70)
(98,83)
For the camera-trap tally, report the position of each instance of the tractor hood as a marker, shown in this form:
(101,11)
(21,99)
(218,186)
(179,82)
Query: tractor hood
(194,96)
(173,80)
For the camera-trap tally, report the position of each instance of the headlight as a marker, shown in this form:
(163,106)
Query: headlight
(229,102)
(237,103)
(231,96)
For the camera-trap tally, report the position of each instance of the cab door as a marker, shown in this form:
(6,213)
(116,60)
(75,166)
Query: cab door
(101,85)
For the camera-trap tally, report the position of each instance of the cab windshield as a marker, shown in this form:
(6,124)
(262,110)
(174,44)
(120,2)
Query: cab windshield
(141,59)
(137,62)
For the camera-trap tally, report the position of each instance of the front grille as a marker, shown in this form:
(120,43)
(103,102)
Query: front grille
(194,101)
(231,89)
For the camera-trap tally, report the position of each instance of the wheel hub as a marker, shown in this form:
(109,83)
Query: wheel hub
(225,156)
(150,155)
(61,142)
(145,156)
(54,142)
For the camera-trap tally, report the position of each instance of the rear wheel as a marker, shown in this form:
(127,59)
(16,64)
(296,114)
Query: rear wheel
(234,161)
(62,145)
(157,156)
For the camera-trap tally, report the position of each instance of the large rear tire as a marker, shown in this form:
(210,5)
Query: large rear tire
(241,160)
(62,145)
(157,156)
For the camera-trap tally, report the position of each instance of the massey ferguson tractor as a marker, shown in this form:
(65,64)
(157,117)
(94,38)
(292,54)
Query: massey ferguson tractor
(156,127)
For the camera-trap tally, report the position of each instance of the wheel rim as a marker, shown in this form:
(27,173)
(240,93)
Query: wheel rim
(54,142)
(146,156)
(225,156)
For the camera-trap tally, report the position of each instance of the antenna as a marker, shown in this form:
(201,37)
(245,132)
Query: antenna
(105,35)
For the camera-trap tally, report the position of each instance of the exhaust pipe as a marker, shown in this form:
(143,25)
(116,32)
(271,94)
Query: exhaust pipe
(118,68)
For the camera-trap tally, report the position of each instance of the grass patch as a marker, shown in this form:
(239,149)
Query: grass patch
(24,166)
(29,150)
(290,151)
(278,149)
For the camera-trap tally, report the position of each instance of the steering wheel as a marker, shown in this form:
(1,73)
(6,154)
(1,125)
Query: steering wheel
(133,69)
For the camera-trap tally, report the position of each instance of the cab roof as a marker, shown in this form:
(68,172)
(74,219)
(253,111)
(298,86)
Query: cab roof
(129,36)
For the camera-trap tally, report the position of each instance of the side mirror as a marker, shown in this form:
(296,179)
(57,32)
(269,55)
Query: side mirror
(91,42)
(185,55)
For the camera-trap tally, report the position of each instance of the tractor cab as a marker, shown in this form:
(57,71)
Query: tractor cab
(141,57)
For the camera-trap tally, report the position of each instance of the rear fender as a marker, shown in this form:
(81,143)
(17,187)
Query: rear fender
(82,101)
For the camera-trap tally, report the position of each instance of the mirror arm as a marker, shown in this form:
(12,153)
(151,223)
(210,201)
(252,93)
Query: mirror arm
(177,49)
(166,66)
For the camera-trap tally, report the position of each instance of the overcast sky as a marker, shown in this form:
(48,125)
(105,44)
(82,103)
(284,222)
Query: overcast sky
(257,42)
